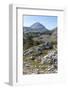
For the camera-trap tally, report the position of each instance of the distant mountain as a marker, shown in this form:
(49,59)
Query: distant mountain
(36,27)
(53,36)
(54,31)
(27,29)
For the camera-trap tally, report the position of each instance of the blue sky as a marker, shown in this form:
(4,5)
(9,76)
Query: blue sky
(49,22)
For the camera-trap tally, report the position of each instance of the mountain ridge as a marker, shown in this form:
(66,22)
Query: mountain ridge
(37,27)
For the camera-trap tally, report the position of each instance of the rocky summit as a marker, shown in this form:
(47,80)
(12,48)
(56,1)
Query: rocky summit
(37,25)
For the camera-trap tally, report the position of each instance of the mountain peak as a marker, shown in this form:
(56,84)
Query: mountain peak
(37,25)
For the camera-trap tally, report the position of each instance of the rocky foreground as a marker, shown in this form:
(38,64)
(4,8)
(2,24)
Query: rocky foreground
(42,61)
